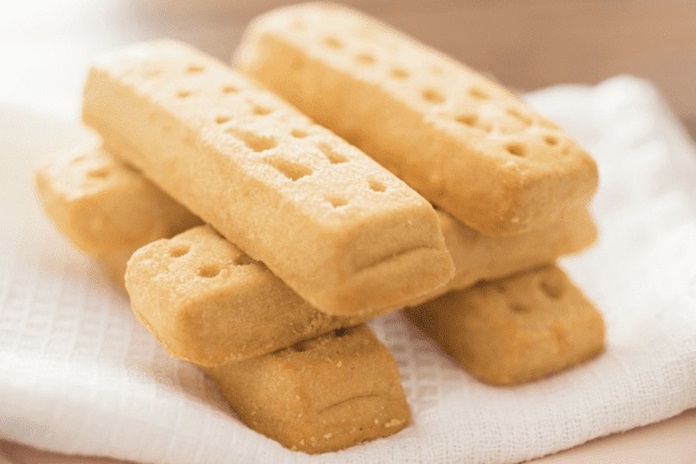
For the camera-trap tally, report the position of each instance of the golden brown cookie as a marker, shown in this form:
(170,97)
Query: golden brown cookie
(339,229)
(462,141)
(278,317)
(101,204)
(105,208)
(154,215)
(320,395)
(517,329)
(479,257)
(209,303)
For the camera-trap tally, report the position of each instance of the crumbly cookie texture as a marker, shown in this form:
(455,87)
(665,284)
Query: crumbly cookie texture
(339,229)
(321,395)
(208,302)
(517,329)
(464,142)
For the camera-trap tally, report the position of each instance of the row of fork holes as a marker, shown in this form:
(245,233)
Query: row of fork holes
(552,288)
(293,170)
(255,142)
(337,201)
(290,169)
(433,96)
(258,143)
(429,95)
(258,110)
(209,270)
(520,150)
(514,149)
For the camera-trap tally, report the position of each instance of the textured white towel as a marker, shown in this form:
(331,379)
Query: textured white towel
(79,375)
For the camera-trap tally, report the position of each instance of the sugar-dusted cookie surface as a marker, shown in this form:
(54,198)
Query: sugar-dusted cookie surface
(209,303)
(517,329)
(338,228)
(462,141)
(321,395)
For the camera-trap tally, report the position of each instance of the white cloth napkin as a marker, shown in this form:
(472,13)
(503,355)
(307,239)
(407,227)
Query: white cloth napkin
(79,375)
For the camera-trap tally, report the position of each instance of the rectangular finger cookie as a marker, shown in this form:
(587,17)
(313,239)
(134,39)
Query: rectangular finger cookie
(268,325)
(101,204)
(209,303)
(479,257)
(461,140)
(339,229)
(320,395)
(476,257)
(105,208)
(517,329)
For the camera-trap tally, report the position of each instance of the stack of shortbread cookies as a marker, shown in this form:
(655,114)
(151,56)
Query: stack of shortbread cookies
(261,215)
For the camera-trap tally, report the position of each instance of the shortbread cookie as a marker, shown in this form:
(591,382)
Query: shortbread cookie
(209,303)
(286,319)
(515,330)
(104,207)
(479,257)
(462,141)
(339,229)
(321,395)
(476,257)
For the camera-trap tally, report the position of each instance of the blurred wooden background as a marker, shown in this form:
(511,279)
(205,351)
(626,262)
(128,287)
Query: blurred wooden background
(525,44)
(46,45)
